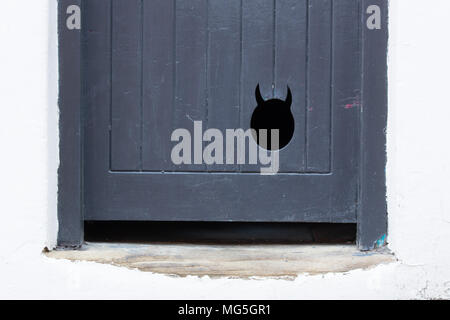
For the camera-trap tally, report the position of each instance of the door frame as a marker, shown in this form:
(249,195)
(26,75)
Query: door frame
(371,203)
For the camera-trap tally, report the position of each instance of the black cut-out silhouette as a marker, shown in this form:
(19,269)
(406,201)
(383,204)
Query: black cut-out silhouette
(273,114)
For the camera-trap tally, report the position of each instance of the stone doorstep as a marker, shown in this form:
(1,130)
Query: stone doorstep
(236,261)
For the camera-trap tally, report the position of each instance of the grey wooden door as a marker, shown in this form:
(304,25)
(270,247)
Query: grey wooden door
(152,66)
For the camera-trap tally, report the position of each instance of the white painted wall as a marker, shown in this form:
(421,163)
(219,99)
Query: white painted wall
(418,174)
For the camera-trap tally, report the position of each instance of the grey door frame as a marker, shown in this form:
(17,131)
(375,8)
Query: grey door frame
(372,205)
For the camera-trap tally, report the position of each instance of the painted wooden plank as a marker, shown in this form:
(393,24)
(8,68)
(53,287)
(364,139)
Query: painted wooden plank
(191,81)
(346,80)
(224,197)
(258,30)
(158,84)
(70,216)
(97,102)
(372,216)
(318,134)
(290,70)
(224,69)
(126,132)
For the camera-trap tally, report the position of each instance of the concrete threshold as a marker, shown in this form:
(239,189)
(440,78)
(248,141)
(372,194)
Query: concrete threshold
(236,261)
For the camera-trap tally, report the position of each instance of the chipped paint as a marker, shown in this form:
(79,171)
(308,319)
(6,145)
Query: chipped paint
(381,242)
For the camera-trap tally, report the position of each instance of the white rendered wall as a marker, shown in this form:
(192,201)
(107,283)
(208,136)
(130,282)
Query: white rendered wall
(418,174)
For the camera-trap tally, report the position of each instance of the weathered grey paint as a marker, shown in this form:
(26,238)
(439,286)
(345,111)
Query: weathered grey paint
(174,62)
(113,64)
(372,213)
(70,171)
(164,63)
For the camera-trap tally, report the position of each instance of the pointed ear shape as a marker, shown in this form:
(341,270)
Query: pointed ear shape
(289,98)
(258,96)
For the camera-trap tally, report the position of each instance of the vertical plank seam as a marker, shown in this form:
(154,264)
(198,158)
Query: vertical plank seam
(274,50)
(207,35)
(332,62)
(174,67)
(111,20)
(306,140)
(141,152)
(241,57)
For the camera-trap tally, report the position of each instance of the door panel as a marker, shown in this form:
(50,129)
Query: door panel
(152,66)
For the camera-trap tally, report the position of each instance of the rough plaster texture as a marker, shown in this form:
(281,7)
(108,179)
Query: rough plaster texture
(418,175)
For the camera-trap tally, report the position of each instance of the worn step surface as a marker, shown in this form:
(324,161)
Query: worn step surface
(228,260)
